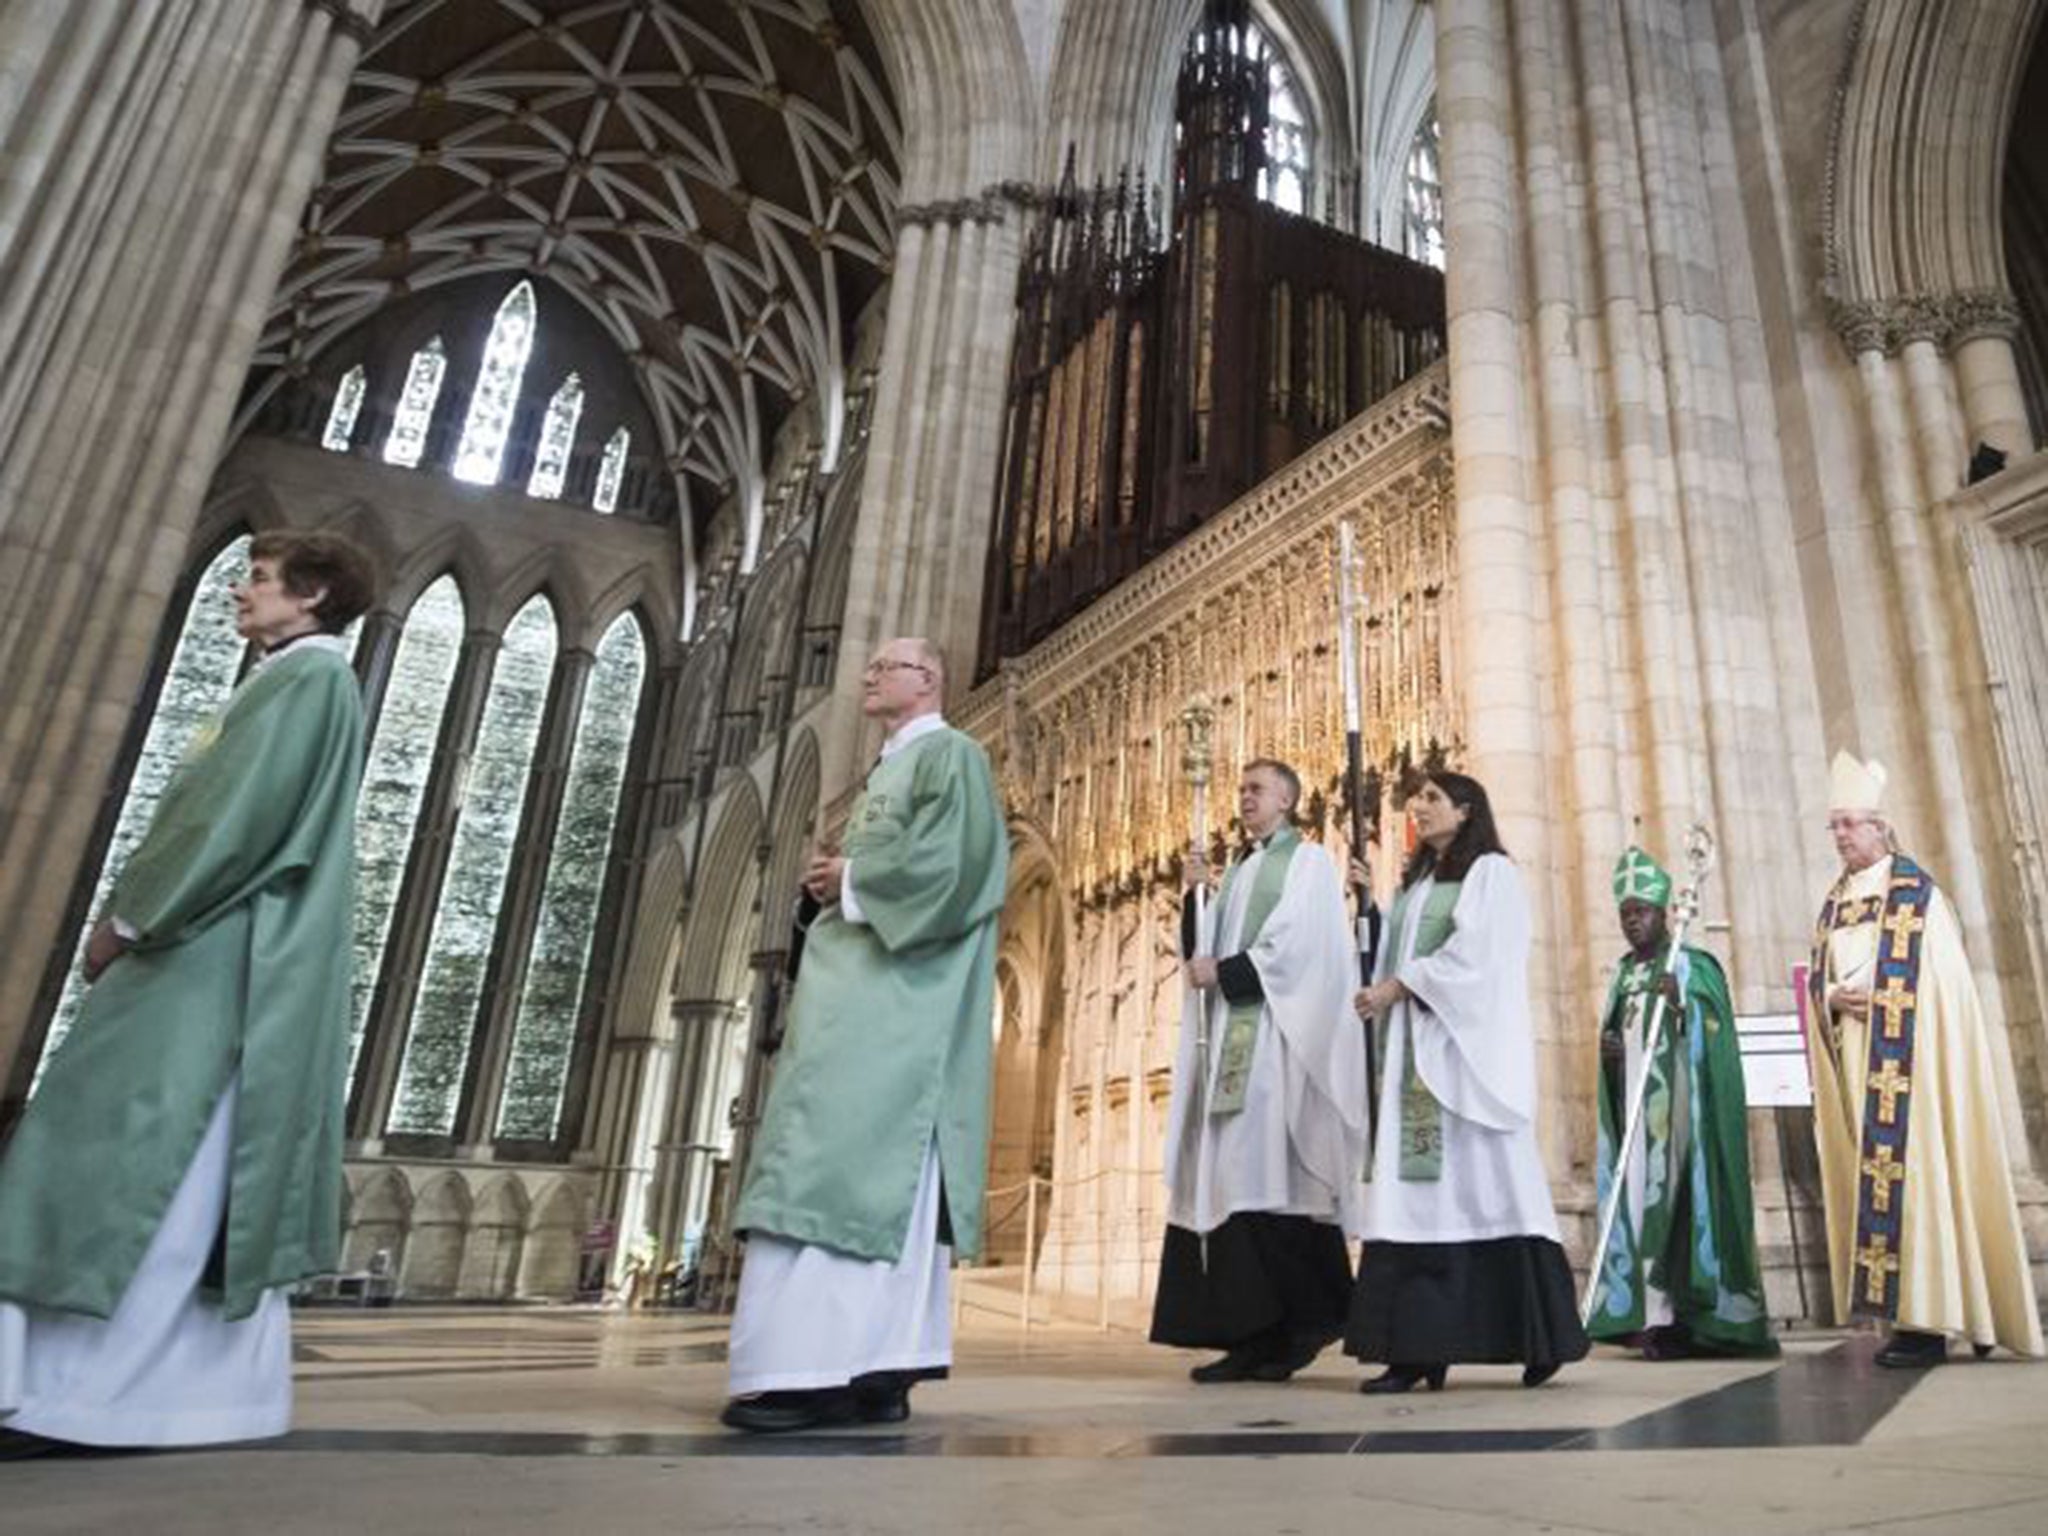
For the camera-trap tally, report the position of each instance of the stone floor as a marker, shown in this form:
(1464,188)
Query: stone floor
(593,1424)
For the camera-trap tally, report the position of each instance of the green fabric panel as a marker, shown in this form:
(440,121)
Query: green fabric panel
(1422,1117)
(1241,1026)
(1697,1241)
(242,891)
(890,1036)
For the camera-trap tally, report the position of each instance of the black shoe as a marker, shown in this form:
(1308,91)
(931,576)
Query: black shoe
(779,1413)
(1670,1342)
(1403,1378)
(20,1445)
(1908,1349)
(1981,1351)
(1238,1365)
(884,1406)
(1536,1375)
(1295,1355)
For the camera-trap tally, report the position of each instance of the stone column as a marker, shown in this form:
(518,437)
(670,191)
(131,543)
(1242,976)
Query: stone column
(1987,373)
(412,923)
(376,652)
(490,1048)
(158,153)
(682,1161)
(934,442)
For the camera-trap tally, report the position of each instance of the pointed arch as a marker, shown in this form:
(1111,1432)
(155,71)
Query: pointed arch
(406,443)
(339,433)
(557,440)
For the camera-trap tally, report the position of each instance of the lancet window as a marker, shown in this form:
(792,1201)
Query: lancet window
(341,416)
(492,403)
(423,379)
(557,441)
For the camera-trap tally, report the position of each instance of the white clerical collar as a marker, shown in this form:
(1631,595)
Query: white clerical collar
(319,641)
(911,730)
(1870,879)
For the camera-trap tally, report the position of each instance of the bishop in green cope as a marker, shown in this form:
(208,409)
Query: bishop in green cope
(870,1162)
(1681,1274)
(180,1166)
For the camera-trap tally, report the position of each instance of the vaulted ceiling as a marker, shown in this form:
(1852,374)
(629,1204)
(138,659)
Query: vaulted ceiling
(714,180)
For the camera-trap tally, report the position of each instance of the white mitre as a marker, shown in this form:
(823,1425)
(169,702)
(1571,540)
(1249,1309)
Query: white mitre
(1854,785)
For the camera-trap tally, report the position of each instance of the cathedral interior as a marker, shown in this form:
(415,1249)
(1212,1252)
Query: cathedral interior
(1676,370)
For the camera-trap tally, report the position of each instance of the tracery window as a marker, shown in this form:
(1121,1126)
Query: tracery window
(1423,224)
(492,403)
(408,439)
(557,440)
(1285,181)
(445,1012)
(348,405)
(204,666)
(611,471)
(395,778)
(550,1003)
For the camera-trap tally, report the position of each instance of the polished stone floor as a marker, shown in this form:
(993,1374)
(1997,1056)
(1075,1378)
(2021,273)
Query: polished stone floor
(593,1424)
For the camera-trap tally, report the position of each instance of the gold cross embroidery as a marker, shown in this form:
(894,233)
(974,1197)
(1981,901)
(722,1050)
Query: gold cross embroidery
(1876,1257)
(1884,1171)
(1890,1085)
(1894,1002)
(1902,925)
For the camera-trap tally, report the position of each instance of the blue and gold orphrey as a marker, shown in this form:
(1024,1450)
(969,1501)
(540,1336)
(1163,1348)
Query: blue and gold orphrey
(1887,1100)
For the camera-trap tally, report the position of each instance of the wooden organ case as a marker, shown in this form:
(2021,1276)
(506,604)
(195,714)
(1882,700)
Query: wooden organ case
(1150,388)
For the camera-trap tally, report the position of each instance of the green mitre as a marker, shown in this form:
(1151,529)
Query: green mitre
(1639,877)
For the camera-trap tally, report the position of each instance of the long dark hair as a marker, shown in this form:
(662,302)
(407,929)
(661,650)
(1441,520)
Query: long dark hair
(1476,837)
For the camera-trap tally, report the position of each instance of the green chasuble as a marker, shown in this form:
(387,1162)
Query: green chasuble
(1697,1242)
(241,894)
(891,1029)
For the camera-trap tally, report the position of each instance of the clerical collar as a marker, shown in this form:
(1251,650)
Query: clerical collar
(912,730)
(312,640)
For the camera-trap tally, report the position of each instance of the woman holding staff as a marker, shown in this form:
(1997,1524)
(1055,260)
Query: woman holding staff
(1461,1260)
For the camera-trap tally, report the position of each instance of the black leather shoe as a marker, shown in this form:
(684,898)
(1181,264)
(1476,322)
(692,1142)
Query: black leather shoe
(1981,1351)
(1910,1350)
(1536,1375)
(780,1413)
(1238,1365)
(890,1407)
(20,1445)
(1405,1378)
(1295,1355)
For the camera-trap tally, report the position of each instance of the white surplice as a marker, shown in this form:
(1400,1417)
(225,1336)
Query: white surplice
(1296,1146)
(809,1317)
(1475,1050)
(166,1368)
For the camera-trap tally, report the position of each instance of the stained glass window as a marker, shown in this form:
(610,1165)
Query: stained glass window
(1285,180)
(341,416)
(395,777)
(557,438)
(545,1031)
(408,439)
(202,675)
(496,396)
(1423,228)
(611,470)
(466,920)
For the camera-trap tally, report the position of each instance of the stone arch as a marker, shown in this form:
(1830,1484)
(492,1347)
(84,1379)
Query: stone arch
(760,655)
(1031,1012)
(497,1238)
(719,927)
(432,1267)
(379,1221)
(796,817)
(1919,144)
(554,1239)
(963,91)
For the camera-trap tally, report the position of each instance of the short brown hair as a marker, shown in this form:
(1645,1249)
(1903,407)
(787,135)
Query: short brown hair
(310,562)
(1284,774)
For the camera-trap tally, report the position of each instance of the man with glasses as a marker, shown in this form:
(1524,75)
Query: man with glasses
(1923,1232)
(870,1162)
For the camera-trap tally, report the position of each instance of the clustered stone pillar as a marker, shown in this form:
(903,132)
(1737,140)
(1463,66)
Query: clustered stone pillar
(1629,662)
(158,154)
(933,446)
(684,1155)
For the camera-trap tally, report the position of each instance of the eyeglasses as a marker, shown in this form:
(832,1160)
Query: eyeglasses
(1851,823)
(877,668)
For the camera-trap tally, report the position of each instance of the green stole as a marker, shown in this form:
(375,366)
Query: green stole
(1241,1026)
(1422,1122)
